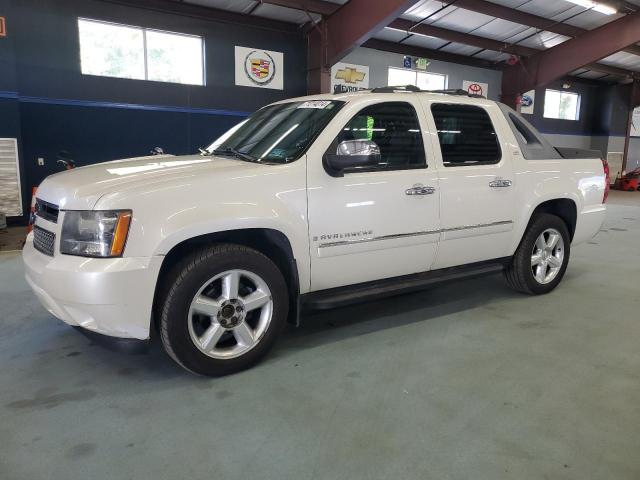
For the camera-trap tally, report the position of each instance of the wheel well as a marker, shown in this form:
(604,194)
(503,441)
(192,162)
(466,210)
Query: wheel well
(560,207)
(272,243)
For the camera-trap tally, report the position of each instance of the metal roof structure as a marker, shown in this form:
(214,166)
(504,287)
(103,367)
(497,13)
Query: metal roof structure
(532,41)
(488,32)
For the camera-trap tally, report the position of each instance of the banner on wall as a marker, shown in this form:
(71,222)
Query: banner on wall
(475,88)
(527,101)
(259,68)
(635,123)
(347,77)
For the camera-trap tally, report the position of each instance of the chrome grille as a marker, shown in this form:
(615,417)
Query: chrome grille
(46,210)
(44,240)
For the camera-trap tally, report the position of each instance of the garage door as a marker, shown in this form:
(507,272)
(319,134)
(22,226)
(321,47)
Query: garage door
(10,198)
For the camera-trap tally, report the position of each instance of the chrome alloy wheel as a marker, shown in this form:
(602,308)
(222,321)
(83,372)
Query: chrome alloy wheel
(547,256)
(230,314)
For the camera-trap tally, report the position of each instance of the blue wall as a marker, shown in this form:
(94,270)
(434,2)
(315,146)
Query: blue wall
(50,106)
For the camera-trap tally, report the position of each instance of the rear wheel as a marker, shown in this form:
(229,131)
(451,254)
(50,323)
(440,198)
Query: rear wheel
(542,257)
(223,311)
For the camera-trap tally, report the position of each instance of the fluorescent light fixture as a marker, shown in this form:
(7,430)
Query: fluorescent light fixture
(598,7)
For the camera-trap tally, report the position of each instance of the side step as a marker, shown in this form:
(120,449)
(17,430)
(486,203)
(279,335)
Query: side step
(362,292)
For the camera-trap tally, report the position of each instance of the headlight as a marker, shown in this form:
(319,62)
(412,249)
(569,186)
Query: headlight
(95,233)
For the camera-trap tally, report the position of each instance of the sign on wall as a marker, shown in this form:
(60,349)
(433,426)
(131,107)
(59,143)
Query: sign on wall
(422,63)
(347,77)
(259,68)
(3,27)
(527,102)
(475,88)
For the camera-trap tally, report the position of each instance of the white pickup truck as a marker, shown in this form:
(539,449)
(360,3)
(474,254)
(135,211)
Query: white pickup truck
(317,201)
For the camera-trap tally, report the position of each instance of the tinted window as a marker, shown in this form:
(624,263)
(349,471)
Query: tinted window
(394,128)
(278,133)
(466,134)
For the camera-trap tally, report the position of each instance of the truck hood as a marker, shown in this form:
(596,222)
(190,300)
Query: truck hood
(81,188)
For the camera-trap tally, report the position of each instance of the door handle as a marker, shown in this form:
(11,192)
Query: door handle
(420,190)
(500,183)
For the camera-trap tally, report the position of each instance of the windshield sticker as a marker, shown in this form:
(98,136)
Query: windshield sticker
(315,104)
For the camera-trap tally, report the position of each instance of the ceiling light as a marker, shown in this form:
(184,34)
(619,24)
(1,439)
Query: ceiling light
(596,6)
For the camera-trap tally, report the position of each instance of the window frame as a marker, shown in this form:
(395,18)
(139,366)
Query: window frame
(493,125)
(417,72)
(563,92)
(334,143)
(145,50)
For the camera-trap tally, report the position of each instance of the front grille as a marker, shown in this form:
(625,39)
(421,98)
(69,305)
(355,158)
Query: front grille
(47,211)
(43,240)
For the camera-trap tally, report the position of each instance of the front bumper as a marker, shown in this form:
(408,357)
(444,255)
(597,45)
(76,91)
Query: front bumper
(111,296)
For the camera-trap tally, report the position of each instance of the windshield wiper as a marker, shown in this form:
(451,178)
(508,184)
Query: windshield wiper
(232,151)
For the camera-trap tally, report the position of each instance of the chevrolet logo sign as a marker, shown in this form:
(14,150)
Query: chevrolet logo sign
(350,75)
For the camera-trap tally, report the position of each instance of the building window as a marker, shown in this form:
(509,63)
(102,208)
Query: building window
(562,105)
(424,80)
(112,50)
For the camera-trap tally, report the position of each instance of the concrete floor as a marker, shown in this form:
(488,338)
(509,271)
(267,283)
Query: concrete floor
(463,381)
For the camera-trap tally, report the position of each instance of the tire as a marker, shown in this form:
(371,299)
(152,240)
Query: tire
(198,325)
(522,275)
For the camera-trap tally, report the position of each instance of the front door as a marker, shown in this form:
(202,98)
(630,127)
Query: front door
(380,221)
(477,184)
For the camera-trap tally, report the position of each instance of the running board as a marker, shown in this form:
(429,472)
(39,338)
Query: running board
(362,292)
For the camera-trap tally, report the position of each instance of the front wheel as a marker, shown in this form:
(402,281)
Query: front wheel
(542,257)
(224,309)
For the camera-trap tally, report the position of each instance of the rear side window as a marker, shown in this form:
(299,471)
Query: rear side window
(466,135)
(394,128)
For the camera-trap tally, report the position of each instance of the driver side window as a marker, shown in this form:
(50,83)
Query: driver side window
(394,128)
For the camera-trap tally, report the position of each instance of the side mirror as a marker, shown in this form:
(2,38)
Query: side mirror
(353,154)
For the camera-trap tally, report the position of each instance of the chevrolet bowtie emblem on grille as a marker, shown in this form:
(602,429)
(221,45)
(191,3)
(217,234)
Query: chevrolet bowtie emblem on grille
(350,75)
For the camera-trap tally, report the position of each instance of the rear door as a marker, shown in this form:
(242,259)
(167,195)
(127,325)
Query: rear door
(477,184)
(381,221)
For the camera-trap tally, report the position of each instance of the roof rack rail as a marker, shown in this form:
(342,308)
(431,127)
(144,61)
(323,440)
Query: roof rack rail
(457,91)
(414,89)
(399,88)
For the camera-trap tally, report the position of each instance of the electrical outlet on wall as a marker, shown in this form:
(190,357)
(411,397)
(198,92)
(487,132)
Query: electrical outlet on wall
(40,162)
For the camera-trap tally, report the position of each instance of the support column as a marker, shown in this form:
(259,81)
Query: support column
(318,69)
(634,101)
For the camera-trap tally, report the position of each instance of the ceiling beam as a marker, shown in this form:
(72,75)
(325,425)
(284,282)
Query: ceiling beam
(356,21)
(527,19)
(312,6)
(490,44)
(553,63)
(347,28)
(207,13)
(460,37)
(412,50)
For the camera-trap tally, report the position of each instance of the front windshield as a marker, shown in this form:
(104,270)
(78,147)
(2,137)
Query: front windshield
(277,133)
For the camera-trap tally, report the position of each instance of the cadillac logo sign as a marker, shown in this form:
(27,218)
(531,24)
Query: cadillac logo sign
(259,68)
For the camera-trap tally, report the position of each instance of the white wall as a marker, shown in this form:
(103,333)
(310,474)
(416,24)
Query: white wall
(633,160)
